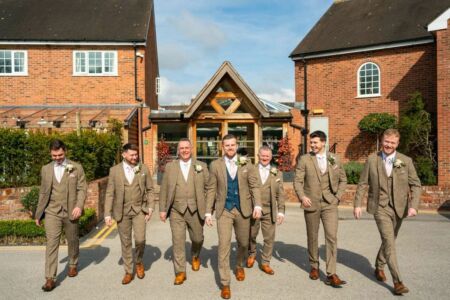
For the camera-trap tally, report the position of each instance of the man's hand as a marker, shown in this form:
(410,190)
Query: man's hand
(108,221)
(280,219)
(76,213)
(149,215)
(257,212)
(412,212)
(163,216)
(357,212)
(38,222)
(208,220)
(306,202)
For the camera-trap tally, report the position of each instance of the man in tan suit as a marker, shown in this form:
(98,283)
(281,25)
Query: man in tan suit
(182,198)
(129,201)
(272,200)
(61,200)
(394,193)
(320,181)
(233,191)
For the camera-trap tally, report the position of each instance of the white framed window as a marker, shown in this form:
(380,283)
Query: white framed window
(13,63)
(95,63)
(369,80)
(158,85)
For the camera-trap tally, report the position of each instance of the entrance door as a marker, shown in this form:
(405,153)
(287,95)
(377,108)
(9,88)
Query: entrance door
(320,123)
(245,134)
(208,141)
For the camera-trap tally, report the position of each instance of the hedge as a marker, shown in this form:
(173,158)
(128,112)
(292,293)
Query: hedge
(353,170)
(28,228)
(23,153)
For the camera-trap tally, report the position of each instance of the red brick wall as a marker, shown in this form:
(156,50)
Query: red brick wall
(443,105)
(11,207)
(50,80)
(332,86)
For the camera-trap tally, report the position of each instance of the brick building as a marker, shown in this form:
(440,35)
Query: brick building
(75,64)
(367,56)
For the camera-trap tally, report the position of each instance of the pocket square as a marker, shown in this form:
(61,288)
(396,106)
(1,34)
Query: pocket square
(143,174)
(277,180)
(245,171)
(72,175)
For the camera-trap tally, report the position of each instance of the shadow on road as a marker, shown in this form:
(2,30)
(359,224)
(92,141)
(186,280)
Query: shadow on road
(151,255)
(87,257)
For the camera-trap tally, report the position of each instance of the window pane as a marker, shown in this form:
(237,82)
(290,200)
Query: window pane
(369,79)
(19,62)
(80,62)
(109,62)
(272,133)
(95,62)
(172,133)
(5,62)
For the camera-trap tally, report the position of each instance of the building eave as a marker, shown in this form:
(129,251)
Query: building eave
(74,43)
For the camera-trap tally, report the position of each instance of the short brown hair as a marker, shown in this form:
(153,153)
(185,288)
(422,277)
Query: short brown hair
(56,145)
(265,148)
(391,131)
(228,137)
(130,146)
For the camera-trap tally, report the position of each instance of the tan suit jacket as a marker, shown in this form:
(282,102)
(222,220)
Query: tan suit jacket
(169,182)
(406,184)
(216,190)
(277,198)
(308,178)
(76,188)
(116,187)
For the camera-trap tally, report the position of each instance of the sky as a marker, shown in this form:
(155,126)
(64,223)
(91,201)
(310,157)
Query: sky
(195,37)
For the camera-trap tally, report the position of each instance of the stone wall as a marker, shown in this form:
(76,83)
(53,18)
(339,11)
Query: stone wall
(11,207)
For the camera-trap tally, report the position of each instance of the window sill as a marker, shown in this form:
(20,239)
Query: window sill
(95,75)
(368,96)
(13,75)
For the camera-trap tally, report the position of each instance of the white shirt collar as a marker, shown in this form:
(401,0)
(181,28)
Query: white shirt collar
(63,164)
(127,165)
(186,162)
(321,155)
(232,159)
(264,167)
(386,157)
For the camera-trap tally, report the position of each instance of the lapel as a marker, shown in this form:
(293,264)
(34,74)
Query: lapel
(66,174)
(394,169)
(381,171)
(316,166)
(122,176)
(330,168)
(223,171)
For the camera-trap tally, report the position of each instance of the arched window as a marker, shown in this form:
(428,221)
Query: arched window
(368,80)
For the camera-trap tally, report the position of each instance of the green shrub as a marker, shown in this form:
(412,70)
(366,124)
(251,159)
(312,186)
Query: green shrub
(87,221)
(425,170)
(353,170)
(30,200)
(376,123)
(22,228)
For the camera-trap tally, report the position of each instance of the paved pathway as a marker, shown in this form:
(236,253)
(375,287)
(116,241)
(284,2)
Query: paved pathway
(423,245)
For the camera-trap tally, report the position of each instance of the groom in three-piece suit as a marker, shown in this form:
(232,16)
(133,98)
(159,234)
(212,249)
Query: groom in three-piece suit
(182,200)
(233,191)
(320,182)
(394,193)
(61,200)
(129,200)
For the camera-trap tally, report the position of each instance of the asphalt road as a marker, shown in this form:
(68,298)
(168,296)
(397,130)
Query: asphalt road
(423,246)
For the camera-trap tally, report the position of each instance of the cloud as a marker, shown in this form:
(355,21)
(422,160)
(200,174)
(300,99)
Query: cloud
(173,56)
(176,93)
(205,33)
(281,95)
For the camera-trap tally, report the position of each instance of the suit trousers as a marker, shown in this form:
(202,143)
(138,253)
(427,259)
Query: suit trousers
(388,224)
(125,227)
(53,229)
(268,231)
(178,225)
(225,224)
(328,213)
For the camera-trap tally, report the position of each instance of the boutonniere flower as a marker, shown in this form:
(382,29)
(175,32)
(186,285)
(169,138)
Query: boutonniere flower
(398,163)
(274,171)
(69,168)
(137,169)
(198,168)
(331,160)
(241,161)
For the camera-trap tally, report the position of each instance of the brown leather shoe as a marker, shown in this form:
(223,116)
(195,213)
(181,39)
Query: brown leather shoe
(314,274)
(140,272)
(72,271)
(180,278)
(127,278)
(240,274)
(49,285)
(225,293)
(379,274)
(400,288)
(195,263)
(335,281)
(267,269)
(251,261)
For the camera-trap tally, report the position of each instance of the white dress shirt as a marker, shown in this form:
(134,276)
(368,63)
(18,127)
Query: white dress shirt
(322,162)
(185,166)
(231,166)
(129,172)
(59,170)
(264,172)
(388,162)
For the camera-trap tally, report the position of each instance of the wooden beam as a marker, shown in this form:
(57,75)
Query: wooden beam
(224,95)
(213,116)
(233,107)
(217,107)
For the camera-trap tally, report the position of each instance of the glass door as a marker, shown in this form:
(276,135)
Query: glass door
(245,134)
(208,141)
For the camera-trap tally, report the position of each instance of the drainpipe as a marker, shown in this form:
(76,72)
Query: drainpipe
(140,109)
(305,111)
